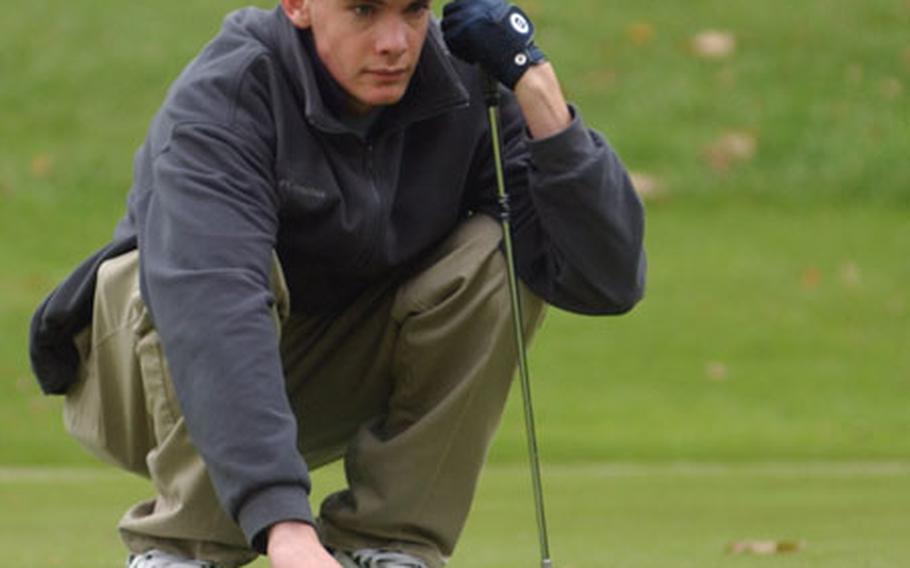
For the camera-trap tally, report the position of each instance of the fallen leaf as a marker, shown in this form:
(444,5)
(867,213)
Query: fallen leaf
(39,404)
(648,187)
(891,88)
(42,165)
(906,57)
(640,33)
(812,278)
(714,44)
(717,371)
(731,148)
(35,281)
(850,275)
(765,547)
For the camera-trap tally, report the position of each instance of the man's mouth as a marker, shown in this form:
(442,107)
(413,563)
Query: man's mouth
(391,73)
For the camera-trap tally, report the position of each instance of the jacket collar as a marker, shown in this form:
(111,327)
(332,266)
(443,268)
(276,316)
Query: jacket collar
(435,87)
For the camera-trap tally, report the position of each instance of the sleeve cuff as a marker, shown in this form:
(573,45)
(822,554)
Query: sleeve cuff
(273,505)
(564,149)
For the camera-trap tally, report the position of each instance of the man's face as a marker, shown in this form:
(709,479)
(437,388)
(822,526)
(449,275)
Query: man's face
(371,47)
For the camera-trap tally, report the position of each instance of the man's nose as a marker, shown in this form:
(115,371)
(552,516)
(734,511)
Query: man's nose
(392,37)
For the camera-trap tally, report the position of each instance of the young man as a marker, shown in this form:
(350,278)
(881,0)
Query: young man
(309,269)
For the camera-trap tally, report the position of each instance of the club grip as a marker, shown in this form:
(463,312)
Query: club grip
(490,90)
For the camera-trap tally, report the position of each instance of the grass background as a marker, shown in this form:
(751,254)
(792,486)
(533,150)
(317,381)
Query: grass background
(777,322)
(602,515)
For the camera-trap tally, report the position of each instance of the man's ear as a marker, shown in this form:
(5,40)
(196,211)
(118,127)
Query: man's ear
(298,11)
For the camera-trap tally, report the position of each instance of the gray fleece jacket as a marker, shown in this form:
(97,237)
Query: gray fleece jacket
(246,157)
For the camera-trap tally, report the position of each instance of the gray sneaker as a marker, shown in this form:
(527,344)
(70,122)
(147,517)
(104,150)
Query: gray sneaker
(374,558)
(158,559)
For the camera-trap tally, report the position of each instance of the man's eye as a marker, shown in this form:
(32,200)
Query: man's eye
(419,7)
(363,10)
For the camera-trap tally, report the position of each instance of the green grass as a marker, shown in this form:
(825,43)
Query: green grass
(808,80)
(776,326)
(812,369)
(787,272)
(600,515)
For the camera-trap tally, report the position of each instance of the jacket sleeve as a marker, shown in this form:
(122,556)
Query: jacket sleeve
(577,222)
(206,255)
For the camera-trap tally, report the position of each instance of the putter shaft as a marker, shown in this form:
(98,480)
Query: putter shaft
(492,96)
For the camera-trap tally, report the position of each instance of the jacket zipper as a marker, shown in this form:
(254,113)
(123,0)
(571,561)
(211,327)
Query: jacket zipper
(374,231)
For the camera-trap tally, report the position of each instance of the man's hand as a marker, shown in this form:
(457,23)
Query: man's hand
(296,545)
(493,33)
(500,37)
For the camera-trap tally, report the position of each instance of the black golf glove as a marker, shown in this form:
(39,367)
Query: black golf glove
(493,33)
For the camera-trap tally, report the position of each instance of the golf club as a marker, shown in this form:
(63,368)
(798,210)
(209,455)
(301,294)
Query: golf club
(491,95)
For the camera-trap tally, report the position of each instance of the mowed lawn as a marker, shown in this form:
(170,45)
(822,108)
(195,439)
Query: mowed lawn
(767,333)
(759,393)
(600,516)
(777,319)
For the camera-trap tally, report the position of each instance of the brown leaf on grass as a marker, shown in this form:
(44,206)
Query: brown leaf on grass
(905,55)
(648,187)
(717,371)
(714,44)
(731,148)
(36,281)
(811,278)
(891,88)
(41,166)
(640,33)
(40,405)
(765,547)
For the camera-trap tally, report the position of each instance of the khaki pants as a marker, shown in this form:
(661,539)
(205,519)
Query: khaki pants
(408,385)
